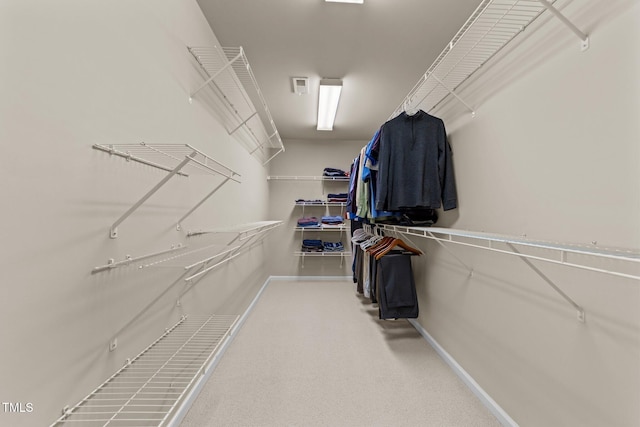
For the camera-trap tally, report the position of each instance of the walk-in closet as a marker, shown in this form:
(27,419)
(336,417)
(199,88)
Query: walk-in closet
(188,241)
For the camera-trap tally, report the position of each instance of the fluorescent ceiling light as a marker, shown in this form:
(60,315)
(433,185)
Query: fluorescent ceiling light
(328,99)
(345,1)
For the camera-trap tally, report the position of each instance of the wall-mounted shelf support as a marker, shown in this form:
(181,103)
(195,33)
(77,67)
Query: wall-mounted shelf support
(584,39)
(455,95)
(469,269)
(113,231)
(185,216)
(544,277)
(168,157)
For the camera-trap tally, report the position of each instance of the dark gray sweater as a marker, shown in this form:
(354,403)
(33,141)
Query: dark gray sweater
(415,164)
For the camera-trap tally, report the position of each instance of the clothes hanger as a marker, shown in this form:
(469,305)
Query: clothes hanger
(381,246)
(393,244)
(409,109)
(372,241)
(375,243)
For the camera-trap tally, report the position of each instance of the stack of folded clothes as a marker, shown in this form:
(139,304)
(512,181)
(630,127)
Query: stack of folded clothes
(332,221)
(337,197)
(333,247)
(334,173)
(312,245)
(309,222)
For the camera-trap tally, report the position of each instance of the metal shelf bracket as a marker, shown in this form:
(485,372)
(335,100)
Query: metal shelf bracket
(455,95)
(173,158)
(584,38)
(580,310)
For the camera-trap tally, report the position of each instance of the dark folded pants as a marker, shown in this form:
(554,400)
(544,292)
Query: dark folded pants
(397,298)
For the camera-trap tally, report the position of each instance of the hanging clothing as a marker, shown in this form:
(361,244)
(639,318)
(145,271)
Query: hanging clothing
(351,207)
(362,189)
(396,289)
(415,164)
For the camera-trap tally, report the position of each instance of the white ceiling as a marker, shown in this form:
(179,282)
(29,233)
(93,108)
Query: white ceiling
(379,49)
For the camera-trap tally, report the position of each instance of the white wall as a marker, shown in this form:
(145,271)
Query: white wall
(75,73)
(307,158)
(553,153)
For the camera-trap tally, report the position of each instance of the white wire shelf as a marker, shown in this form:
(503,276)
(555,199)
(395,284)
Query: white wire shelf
(339,204)
(230,77)
(177,159)
(308,178)
(199,262)
(149,389)
(201,256)
(244,230)
(329,254)
(169,156)
(322,254)
(623,263)
(322,228)
(557,248)
(490,28)
(130,260)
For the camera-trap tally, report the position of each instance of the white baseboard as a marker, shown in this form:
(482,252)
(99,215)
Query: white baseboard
(484,397)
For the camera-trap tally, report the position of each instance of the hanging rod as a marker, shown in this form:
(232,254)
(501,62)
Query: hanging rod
(203,255)
(491,27)
(130,260)
(231,79)
(243,229)
(307,178)
(249,241)
(208,259)
(168,157)
(561,249)
(188,259)
(511,242)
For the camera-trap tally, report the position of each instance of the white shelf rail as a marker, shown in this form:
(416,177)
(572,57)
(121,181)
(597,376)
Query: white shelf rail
(244,230)
(250,235)
(149,389)
(322,229)
(198,262)
(177,159)
(307,178)
(303,255)
(189,259)
(129,260)
(550,252)
(491,27)
(230,77)
(338,204)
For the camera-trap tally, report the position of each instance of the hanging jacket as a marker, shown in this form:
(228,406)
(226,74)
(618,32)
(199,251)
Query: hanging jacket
(415,164)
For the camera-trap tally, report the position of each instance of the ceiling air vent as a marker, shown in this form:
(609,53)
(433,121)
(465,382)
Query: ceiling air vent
(300,85)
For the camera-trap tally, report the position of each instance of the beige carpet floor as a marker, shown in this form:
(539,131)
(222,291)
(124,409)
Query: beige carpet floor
(314,353)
